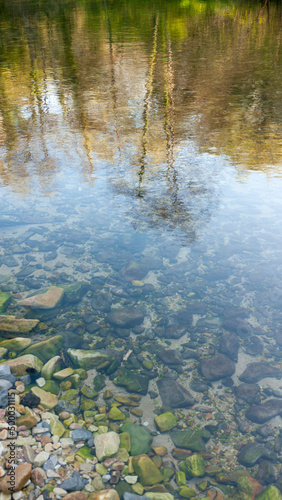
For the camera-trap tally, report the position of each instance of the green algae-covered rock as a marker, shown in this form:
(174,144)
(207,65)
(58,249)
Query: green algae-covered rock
(47,400)
(51,386)
(46,349)
(16,345)
(13,324)
(186,492)
(99,382)
(140,438)
(116,414)
(19,365)
(3,352)
(125,441)
(195,466)
(270,493)
(52,366)
(88,392)
(75,292)
(87,359)
(190,440)
(147,471)
(134,382)
(165,421)
(57,428)
(85,452)
(180,478)
(5,298)
(70,395)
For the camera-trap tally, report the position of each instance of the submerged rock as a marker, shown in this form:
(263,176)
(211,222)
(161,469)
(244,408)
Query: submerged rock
(265,411)
(20,365)
(126,317)
(173,394)
(251,453)
(134,271)
(190,440)
(140,439)
(170,357)
(16,345)
(134,382)
(217,367)
(248,392)
(47,300)
(106,445)
(166,421)
(5,298)
(12,324)
(257,371)
(147,471)
(229,345)
(270,493)
(87,359)
(46,349)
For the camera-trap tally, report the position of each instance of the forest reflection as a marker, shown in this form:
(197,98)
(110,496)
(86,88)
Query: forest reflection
(126,84)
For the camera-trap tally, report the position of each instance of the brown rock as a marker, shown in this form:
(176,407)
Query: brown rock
(158,488)
(76,495)
(27,420)
(103,495)
(22,475)
(215,495)
(38,477)
(181,454)
(47,300)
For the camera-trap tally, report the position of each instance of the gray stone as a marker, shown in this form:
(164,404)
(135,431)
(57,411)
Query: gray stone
(173,394)
(4,370)
(3,398)
(229,345)
(251,453)
(5,384)
(126,317)
(81,435)
(51,463)
(170,357)
(257,371)
(74,483)
(217,367)
(265,411)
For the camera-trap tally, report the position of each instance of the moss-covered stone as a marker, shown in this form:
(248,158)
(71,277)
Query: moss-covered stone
(88,392)
(13,324)
(186,492)
(166,421)
(193,440)
(180,478)
(134,382)
(51,386)
(147,471)
(270,493)
(46,349)
(116,414)
(52,366)
(47,400)
(140,438)
(87,359)
(17,344)
(194,466)
(70,395)
(5,298)
(75,292)
(85,452)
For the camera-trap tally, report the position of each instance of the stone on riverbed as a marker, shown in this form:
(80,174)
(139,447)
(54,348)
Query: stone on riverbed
(110,494)
(173,394)
(217,367)
(257,371)
(126,317)
(190,440)
(251,453)
(12,324)
(87,359)
(134,382)
(47,400)
(147,471)
(19,365)
(140,439)
(21,476)
(46,349)
(265,411)
(52,366)
(47,300)
(5,298)
(166,421)
(270,493)
(106,445)
(16,345)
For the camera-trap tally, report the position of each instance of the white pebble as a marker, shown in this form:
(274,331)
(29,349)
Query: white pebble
(106,477)
(131,479)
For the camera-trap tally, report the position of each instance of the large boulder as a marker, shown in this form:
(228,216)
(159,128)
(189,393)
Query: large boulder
(17,344)
(46,349)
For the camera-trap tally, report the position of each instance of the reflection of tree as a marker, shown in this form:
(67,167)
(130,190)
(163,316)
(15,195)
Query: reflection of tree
(208,71)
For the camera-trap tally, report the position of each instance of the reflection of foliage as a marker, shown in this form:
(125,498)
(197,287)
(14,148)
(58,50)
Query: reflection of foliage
(103,81)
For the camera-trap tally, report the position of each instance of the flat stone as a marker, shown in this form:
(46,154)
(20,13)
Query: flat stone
(265,411)
(19,365)
(22,475)
(106,445)
(52,366)
(16,345)
(126,317)
(174,394)
(190,440)
(47,300)
(41,458)
(62,374)
(140,438)
(257,371)
(87,359)
(217,367)
(47,400)
(13,324)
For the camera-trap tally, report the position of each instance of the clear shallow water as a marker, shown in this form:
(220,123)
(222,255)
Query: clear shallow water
(148,133)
